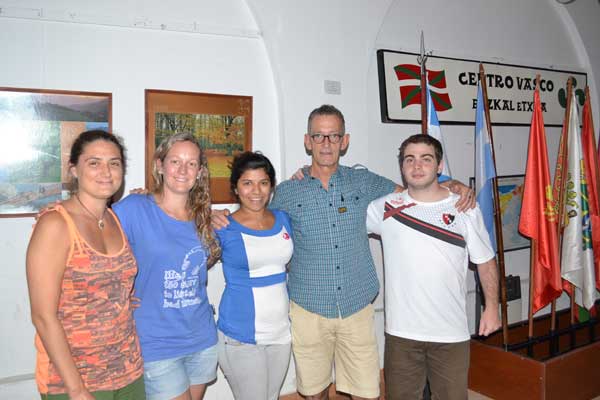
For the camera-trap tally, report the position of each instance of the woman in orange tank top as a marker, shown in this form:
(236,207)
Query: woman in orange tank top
(80,273)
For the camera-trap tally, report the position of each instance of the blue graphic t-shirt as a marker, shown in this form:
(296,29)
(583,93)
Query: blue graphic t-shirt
(174,317)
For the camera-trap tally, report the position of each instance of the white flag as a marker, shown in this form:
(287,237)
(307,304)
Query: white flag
(577,261)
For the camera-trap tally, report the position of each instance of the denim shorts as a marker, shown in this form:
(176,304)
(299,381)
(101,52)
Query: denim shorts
(165,379)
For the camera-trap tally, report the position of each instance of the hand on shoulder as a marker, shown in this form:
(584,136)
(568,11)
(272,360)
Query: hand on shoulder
(218,219)
(299,174)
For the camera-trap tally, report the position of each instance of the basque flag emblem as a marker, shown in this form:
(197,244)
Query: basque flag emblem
(410,92)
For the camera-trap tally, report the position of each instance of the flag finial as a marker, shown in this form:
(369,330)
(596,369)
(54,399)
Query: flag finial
(423,55)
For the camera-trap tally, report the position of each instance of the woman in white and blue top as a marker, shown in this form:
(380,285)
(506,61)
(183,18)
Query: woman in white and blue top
(254,328)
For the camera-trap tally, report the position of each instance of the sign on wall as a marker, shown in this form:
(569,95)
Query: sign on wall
(453,85)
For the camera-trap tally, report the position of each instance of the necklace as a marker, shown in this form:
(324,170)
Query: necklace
(100,220)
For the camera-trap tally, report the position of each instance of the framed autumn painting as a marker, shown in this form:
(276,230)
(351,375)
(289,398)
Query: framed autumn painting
(221,123)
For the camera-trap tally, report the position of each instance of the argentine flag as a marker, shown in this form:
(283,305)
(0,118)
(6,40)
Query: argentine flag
(485,169)
(433,129)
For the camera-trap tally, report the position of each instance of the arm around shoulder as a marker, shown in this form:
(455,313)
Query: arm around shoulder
(285,220)
(375,212)
(380,186)
(131,210)
(282,195)
(467,198)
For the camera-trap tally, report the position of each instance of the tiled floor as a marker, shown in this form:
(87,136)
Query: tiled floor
(472,396)
(477,396)
(334,396)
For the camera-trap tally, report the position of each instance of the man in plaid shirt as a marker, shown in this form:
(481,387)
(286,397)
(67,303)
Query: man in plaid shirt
(332,278)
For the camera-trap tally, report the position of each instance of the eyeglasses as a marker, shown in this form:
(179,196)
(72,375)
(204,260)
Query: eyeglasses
(333,138)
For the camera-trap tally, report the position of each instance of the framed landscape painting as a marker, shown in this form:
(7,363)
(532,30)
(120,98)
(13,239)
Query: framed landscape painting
(510,194)
(221,123)
(38,128)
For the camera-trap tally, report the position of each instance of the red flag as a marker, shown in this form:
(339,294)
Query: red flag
(538,217)
(590,159)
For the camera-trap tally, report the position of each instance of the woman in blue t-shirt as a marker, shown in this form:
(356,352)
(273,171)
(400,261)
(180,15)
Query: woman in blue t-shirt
(170,234)
(254,328)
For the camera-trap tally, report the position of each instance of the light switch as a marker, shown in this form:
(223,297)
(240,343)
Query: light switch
(333,87)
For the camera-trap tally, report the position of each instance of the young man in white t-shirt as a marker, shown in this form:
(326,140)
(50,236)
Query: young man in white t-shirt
(427,245)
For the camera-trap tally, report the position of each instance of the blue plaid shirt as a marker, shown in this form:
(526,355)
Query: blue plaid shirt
(332,272)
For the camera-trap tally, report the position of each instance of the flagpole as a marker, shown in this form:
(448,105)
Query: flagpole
(537,220)
(422,59)
(559,189)
(532,258)
(497,215)
(561,163)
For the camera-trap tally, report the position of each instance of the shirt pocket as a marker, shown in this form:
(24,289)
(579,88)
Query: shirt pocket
(353,199)
(297,215)
(354,208)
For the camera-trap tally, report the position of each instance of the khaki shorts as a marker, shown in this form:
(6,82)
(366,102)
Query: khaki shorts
(350,343)
(410,363)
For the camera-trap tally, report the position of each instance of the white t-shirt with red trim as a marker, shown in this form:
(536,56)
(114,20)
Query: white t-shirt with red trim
(426,249)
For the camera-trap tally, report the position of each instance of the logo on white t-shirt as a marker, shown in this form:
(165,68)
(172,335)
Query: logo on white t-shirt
(448,218)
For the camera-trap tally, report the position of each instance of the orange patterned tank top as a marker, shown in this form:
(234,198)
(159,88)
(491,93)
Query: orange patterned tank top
(96,315)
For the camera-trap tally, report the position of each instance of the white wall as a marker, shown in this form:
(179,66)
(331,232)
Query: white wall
(317,41)
(309,42)
(124,61)
(280,53)
(581,19)
(511,31)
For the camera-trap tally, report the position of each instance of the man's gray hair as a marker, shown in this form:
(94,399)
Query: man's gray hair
(326,109)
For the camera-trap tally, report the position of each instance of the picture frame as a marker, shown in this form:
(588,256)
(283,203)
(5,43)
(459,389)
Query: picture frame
(510,190)
(221,123)
(38,127)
